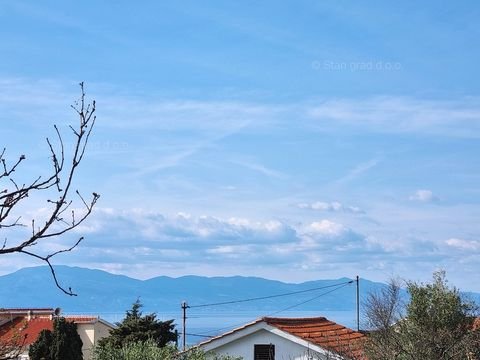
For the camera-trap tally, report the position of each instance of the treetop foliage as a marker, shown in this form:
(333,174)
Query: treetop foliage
(435,324)
(148,350)
(60,344)
(139,328)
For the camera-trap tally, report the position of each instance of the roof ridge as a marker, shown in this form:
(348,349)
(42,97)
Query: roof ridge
(318,331)
(302,319)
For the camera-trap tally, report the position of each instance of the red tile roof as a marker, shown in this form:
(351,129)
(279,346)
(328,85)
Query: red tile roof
(316,330)
(13,312)
(20,327)
(25,310)
(82,319)
(322,332)
(24,329)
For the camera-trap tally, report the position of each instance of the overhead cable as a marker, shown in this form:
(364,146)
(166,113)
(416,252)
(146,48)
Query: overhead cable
(270,296)
(338,287)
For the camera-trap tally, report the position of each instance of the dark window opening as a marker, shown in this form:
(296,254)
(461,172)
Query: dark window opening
(264,352)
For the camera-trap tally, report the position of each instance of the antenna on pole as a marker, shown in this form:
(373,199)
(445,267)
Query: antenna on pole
(184,318)
(358,303)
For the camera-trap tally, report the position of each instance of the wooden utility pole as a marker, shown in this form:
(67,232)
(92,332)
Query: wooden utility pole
(358,303)
(184,318)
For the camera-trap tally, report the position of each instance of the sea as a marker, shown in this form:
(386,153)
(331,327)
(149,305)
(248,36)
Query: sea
(202,326)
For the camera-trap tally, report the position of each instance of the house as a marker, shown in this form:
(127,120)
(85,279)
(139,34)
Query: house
(14,336)
(21,327)
(91,329)
(271,338)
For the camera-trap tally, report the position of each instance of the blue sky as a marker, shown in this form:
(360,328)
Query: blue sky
(291,140)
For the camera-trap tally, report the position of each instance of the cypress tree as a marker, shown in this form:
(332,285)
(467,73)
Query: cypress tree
(137,327)
(60,344)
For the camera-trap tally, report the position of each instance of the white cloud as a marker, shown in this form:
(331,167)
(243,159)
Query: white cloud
(334,240)
(139,236)
(334,206)
(153,228)
(170,133)
(423,195)
(143,243)
(326,227)
(212,120)
(388,114)
(465,245)
(235,250)
(262,169)
(358,171)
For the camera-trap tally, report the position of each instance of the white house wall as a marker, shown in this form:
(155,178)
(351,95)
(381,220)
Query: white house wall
(101,330)
(86,332)
(90,334)
(284,348)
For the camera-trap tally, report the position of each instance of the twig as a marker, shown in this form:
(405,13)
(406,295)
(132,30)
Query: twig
(62,179)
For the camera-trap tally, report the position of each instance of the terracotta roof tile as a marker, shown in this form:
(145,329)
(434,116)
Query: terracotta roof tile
(21,327)
(7,311)
(24,329)
(322,332)
(81,319)
(317,330)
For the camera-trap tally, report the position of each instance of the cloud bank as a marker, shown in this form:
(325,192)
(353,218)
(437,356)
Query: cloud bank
(144,243)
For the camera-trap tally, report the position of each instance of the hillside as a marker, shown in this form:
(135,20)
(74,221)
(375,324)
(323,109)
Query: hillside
(109,296)
(100,291)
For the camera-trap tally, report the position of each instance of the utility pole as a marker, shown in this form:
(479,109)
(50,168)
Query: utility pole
(358,303)
(184,318)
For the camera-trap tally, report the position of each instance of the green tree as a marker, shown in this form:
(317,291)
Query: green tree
(138,328)
(435,324)
(40,349)
(66,341)
(60,344)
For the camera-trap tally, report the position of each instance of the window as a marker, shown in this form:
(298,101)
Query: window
(264,352)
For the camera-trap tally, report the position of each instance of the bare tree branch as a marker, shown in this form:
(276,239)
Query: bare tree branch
(14,344)
(60,180)
(435,323)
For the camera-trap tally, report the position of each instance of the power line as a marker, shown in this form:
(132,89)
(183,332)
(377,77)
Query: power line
(270,296)
(314,298)
(200,335)
(338,287)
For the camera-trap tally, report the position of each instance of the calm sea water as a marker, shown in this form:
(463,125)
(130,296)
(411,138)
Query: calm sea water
(202,326)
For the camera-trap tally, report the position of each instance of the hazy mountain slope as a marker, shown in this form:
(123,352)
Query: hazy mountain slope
(102,292)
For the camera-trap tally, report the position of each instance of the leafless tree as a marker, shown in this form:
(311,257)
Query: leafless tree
(384,310)
(435,323)
(384,307)
(58,183)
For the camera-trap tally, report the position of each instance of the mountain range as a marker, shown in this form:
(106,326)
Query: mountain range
(99,290)
(103,293)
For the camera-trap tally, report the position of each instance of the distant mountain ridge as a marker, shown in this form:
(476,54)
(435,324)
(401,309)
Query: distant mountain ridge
(101,292)
(96,289)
